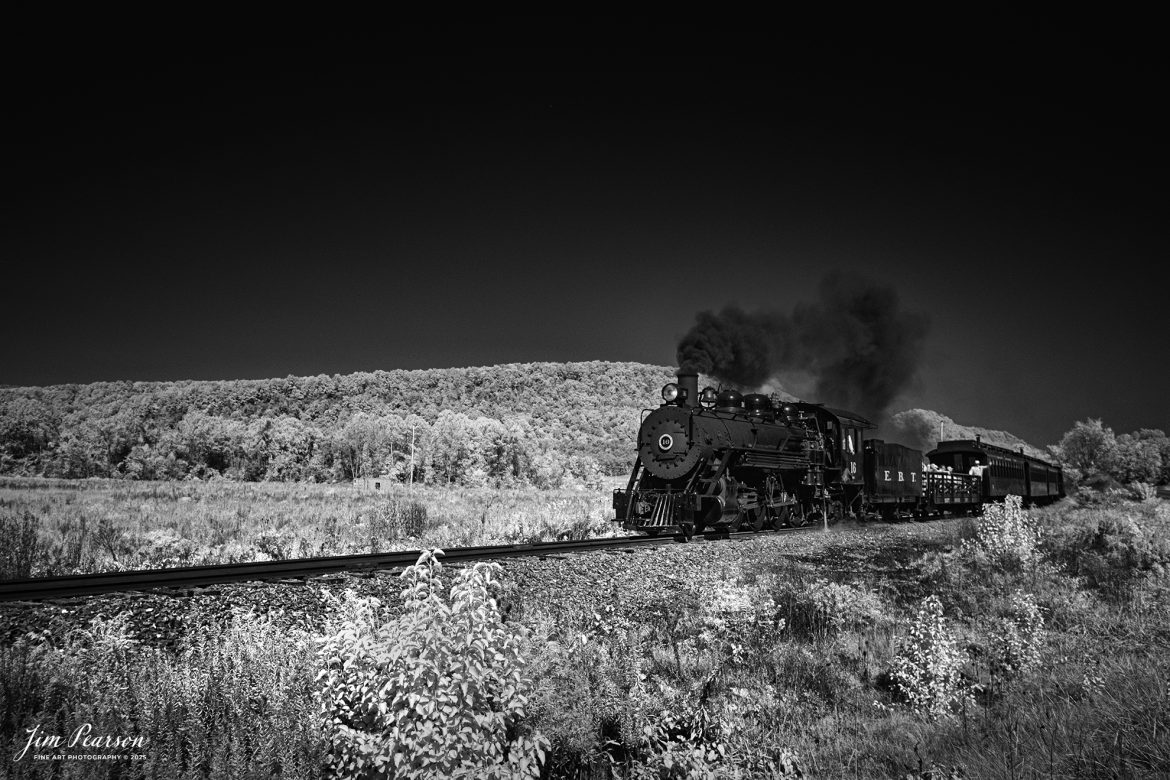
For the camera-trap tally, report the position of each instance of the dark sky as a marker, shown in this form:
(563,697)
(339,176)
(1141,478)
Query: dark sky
(203,212)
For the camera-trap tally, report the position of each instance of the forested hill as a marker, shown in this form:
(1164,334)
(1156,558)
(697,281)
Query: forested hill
(923,429)
(543,423)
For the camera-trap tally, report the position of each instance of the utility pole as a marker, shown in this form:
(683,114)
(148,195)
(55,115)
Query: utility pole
(410,485)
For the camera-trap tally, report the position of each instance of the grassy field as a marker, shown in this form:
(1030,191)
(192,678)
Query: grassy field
(1023,644)
(75,526)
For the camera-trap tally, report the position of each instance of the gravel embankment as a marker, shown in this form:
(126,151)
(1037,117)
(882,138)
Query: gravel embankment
(633,579)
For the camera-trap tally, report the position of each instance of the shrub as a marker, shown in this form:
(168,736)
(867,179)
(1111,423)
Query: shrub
(1017,638)
(927,663)
(1114,547)
(649,699)
(1006,537)
(436,692)
(1142,491)
(694,744)
(734,613)
(825,608)
(682,745)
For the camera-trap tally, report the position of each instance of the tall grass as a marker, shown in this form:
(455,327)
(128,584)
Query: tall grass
(237,702)
(63,526)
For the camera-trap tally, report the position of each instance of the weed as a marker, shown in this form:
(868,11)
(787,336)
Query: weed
(22,546)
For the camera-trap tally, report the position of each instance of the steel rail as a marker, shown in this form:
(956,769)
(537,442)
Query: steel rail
(39,588)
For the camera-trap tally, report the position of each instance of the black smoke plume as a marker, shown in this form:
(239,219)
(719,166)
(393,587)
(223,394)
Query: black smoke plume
(855,342)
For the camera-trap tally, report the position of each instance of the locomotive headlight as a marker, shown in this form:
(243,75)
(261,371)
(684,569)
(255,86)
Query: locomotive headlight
(670,392)
(707,397)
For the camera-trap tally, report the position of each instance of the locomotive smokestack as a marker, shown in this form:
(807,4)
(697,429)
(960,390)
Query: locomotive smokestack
(688,383)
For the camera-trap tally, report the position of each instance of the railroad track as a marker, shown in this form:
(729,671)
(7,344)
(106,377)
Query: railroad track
(40,588)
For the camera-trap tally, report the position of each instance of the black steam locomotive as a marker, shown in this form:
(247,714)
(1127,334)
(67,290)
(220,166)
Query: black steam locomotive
(721,461)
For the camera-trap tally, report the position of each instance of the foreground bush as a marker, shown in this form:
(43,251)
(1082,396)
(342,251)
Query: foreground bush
(1017,638)
(928,662)
(437,692)
(1006,537)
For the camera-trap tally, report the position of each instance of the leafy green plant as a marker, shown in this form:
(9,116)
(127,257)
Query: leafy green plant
(1017,638)
(1006,537)
(928,661)
(435,692)
(682,745)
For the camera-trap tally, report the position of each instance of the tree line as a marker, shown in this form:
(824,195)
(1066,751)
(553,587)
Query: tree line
(543,424)
(1091,450)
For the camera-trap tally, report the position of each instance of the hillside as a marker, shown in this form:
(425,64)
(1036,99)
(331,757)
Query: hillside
(923,429)
(548,424)
(525,422)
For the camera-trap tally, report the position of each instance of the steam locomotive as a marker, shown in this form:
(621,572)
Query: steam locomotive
(720,461)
